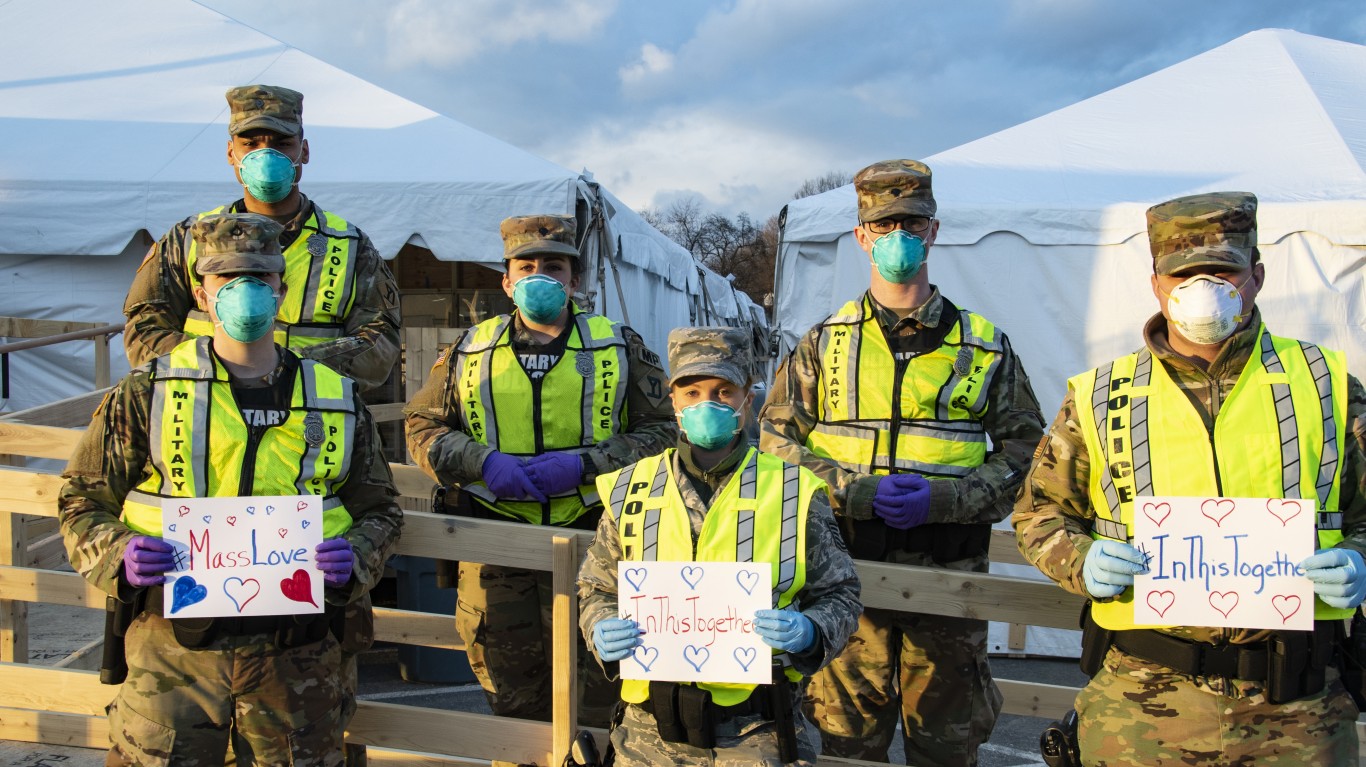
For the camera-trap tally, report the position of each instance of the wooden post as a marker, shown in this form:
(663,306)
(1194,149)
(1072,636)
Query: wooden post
(13,614)
(564,715)
(101,362)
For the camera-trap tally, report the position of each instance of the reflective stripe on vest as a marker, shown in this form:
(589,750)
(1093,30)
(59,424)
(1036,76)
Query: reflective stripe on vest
(1278,435)
(759,516)
(198,440)
(941,397)
(320,270)
(502,408)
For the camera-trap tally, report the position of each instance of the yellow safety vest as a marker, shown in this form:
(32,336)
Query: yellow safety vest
(580,402)
(923,415)
(320,270)
(759,516)
(199,446)
(1280,434)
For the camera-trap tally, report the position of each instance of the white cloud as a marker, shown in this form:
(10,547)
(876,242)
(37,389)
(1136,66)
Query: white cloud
(736,167)
(653,60)
(441,33)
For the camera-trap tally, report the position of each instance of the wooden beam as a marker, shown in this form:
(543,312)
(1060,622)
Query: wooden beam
(969,595)
(72,412)
(23,327)
(38,441)
(29,492)
(54,728)
(413,728)
(417,628)
(43,688)
(1050,701)
(1004,550)
(26,584)
(564,702)
(494,542)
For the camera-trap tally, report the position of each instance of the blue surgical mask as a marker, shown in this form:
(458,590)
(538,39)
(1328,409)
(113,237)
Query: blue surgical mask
(540,298)
(246,308)
(899,256)
(268,174)
(709,425)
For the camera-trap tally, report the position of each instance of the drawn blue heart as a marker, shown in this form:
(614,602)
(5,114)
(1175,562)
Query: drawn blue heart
(304,524)
(692,576)
(207,519)
(270,510)
(186,592)
(744,656)
(696,656)
(645,656)
(171,527)
(747,579)
(636,577)
(251,510)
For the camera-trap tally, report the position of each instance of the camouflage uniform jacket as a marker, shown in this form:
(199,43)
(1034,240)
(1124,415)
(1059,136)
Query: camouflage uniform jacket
(441,448)
(830,597)
(162,296)
(1013,422)
(112,459)
(1053,515)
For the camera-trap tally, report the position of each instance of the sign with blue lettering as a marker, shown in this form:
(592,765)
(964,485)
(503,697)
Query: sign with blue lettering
(1224,562)
(698,620)
(243,556)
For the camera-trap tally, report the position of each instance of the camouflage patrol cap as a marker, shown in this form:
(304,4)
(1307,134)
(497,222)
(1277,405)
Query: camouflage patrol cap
(894,188)
(265,106)
(237,242)
(714,352)
(525,236)
(1218,228)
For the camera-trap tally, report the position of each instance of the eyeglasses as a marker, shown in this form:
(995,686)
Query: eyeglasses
(916,225)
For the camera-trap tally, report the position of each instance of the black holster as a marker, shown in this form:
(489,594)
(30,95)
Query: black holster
(1351,659)
(1058,743)
(118,616)
(784,723)
(1095,642)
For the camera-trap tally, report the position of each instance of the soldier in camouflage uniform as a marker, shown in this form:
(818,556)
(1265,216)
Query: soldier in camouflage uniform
(1140,709)
(921,418)
(263,690)
(345,306)
(704,475)
(522,413)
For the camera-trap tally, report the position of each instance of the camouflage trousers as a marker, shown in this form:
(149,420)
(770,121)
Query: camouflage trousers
(504,616)
(741,742)
(930,670)
(1143,714)
(186,708)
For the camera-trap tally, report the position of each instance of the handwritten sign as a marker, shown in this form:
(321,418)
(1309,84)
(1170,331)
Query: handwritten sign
(243,556)
(698,619)
(1224,562)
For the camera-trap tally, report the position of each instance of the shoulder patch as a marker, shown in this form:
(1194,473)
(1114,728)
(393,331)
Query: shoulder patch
(104,403)
(441,358)
(150,251)
(652,386)
(644,354)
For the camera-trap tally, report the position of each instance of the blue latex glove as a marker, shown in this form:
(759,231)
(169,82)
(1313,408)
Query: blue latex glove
(506,477)
(903,500)
(146,559)
(615,638)
(335,559)
(554,473)
(1110,568)
(1339,577)
(786,630)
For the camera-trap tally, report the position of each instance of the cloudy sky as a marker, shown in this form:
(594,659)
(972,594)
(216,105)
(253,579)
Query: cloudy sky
(740,101)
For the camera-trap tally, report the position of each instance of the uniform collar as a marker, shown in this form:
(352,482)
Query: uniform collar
(725,466)
(1233,355)
(924,316)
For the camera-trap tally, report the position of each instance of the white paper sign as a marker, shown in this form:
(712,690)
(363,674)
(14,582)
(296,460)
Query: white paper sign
(1224,562)
(698,619)
(243,556)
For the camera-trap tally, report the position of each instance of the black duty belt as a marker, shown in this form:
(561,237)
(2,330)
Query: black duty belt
(1247,662)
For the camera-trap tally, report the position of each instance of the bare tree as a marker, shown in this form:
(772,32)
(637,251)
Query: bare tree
(813,186)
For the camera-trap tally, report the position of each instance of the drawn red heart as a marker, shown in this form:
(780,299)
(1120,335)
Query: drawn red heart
(1157,512)
(283,531)
(232,521)
(1286,604)
(1283,509)
(1223,601)
(1161,602)
(1217,509)
(298,587)
(183,510)
(302,505)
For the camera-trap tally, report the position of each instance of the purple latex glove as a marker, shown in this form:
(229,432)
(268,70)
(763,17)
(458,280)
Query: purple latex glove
(335,560)
(903,500)
(146,559)
(506,476)
(555,473)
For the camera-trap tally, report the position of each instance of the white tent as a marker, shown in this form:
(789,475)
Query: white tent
(115,128)
(1043,227)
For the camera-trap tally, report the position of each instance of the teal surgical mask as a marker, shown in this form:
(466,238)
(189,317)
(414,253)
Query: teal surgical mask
(899,256)
(268,174)
(246,308)
(540,298)
(709,425)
